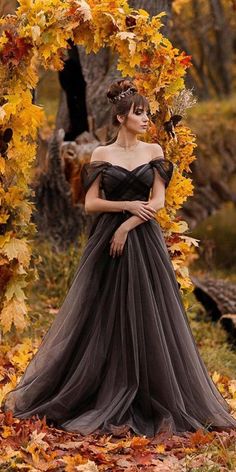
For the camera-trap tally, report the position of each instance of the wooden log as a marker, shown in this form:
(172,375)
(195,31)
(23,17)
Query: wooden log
(218,296)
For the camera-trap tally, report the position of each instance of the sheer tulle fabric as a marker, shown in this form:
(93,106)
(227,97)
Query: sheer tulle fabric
(120,351)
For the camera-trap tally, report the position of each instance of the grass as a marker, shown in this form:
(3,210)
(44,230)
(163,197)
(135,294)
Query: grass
(48,92)
(224,108)
(211,338)
(220,230)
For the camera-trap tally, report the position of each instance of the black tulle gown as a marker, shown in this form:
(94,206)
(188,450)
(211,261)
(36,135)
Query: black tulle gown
(120,352)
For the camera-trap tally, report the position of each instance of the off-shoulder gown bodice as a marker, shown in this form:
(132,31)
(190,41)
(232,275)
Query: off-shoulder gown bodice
(120,353)
(119,183)
(124,184)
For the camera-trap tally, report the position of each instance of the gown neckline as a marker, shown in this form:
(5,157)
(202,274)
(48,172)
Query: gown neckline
(135,168)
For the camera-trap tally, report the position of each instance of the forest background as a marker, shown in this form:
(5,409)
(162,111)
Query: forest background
(205,30)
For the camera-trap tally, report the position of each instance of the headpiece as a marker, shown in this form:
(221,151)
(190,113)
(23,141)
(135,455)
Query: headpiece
(129,91)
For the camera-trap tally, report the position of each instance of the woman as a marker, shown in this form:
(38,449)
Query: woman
(120,353)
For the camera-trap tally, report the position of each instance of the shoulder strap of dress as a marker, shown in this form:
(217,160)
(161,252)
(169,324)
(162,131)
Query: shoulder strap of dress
(90,171)
(164,167)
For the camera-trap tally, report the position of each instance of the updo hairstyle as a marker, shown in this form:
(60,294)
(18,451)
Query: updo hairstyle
(122,93)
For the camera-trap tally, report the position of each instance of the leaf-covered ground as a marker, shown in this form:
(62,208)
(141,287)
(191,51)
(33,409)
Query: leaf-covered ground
(31,445)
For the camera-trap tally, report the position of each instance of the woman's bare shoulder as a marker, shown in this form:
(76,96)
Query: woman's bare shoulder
(156,150)
(98,154)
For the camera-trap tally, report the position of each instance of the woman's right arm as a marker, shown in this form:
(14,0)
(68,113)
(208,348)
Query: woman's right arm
(93,201)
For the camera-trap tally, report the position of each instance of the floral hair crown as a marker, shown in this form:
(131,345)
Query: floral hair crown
(129,91)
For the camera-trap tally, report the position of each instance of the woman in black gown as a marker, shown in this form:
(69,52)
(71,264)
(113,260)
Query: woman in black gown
(120,353)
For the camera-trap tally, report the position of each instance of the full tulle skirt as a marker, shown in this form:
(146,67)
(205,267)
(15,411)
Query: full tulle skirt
(120,351)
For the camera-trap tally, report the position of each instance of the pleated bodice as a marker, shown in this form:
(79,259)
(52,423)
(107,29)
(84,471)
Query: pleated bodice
(119,183)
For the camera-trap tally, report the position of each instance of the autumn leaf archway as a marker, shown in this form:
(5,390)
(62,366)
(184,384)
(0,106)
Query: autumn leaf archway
(37,35)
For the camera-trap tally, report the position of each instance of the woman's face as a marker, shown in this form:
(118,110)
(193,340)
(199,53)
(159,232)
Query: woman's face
(136,122)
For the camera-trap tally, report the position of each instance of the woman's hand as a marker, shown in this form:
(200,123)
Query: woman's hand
(142,209)
(118,241)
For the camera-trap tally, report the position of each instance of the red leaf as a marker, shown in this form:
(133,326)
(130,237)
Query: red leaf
(15,49)
(184,59)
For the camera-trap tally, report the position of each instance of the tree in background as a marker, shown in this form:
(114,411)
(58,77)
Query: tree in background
(206,30)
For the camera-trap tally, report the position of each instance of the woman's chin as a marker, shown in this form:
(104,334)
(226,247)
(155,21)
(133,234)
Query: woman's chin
(142,131)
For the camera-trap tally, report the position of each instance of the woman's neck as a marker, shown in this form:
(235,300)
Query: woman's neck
(126,140)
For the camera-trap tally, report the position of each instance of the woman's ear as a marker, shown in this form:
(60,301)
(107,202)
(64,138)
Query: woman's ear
(120,118)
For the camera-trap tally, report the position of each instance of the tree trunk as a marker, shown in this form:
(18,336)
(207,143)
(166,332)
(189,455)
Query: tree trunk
(213,52)
(201,86)
(74,86)
(8,7)
(56,217)
(223,45)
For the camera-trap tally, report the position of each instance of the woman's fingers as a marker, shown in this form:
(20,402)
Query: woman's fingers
(146,213)
(149,211)
(115,250)
(142,215)
(149,207)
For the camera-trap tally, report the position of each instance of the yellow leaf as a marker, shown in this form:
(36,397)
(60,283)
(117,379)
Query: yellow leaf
(21,360)
(84,9)
(13,102)
(215,376)
(13,196)
(125,35)
(132,49)
(5,389)
(4,217)
(41,19)
(17,248)
(14,289)
(232,403)
(25,210)
(232,388)
(20,270)
(180,246)
(2,165)
(26,5)
(160,448)
(37,440)
(35,32)
(2,113)
(13,313)
(143,12)
(7,431)
(111,17)
(33,450)
(190,240)
(180,226)
(4,239)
